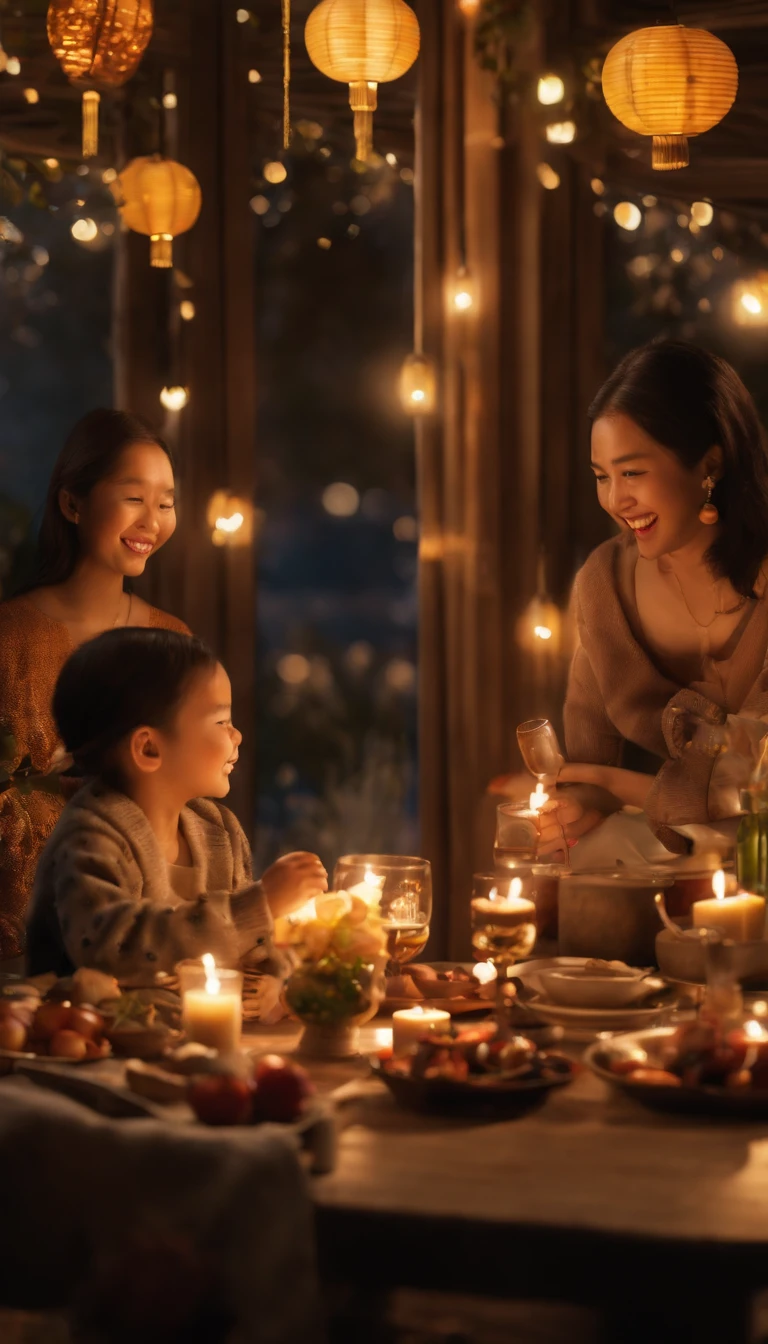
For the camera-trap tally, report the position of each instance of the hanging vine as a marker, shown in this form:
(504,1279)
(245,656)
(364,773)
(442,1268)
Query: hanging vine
(502,28)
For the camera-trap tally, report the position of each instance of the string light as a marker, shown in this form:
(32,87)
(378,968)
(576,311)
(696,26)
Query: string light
(703,213)
(650,201)
(174,398)
(561,132)
(341,499)
(598,186)
(84,230)
(750,301)
(170,101)
(52,164)
(109,175)
(32,95)
(254,77)
(550,90)
(243,15)
(417,385)
(463,291)
(628,215)
(186,310)
(230,519)
(547,176)
(13,66)
(275,172)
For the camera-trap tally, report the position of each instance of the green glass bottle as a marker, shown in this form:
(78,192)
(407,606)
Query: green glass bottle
(752,841)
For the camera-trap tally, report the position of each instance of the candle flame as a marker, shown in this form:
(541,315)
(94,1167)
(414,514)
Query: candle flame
(538,798)
(516,886)
(718,884)
(212,981)
(484,972)
(754,1031)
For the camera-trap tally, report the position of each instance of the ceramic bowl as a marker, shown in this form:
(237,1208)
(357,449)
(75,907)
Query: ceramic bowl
(577,988)
(684,959)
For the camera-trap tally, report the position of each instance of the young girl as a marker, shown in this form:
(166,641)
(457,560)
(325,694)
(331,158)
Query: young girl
(135,876)
(672,613)
(110,507)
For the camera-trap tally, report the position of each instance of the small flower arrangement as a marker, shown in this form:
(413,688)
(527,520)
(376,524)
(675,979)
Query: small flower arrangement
(340,951)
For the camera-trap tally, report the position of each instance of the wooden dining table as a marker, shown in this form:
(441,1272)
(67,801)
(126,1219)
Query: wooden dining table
(659,1221)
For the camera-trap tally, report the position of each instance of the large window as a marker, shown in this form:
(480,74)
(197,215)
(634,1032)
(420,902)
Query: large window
(57,234)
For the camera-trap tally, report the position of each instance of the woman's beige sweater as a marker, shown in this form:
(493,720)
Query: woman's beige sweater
(617,694)
(103,896)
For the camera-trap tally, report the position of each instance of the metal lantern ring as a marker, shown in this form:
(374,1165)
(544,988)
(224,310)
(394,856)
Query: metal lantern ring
(363,43)
(98,43)
(670,82)
(161,198)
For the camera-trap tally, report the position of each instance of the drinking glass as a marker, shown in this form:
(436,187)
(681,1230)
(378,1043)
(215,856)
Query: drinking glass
(540,749)
(403,886)
(518,827)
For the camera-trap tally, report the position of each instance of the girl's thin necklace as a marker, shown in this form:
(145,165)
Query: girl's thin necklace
(723,611)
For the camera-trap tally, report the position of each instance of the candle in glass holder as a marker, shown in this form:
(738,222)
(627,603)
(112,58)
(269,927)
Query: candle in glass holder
(740,917)
(212,1004)
(503,926)
(410,1024)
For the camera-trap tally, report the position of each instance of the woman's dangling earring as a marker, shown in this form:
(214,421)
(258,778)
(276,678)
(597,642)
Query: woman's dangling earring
(708,513)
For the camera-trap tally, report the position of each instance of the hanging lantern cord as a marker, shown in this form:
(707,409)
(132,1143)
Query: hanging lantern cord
(286,11)
(363,99)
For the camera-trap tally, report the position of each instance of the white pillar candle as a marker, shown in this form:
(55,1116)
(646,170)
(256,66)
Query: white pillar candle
(212,1013)
(740,917)
(410,1024)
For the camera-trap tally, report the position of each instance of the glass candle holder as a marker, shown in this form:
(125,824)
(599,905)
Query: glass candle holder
(503,928)
(211,1004)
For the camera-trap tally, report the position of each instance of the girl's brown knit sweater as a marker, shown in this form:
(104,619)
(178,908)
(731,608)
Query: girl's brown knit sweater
(103,898)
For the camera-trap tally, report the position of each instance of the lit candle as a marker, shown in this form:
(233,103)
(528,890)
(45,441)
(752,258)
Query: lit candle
(369,890)
(410,1024)
(538,798)
(508,910)
(740,917)
(212,1013)
(484,972)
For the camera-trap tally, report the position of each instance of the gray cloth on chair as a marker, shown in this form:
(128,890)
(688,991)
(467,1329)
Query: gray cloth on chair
(153,1230)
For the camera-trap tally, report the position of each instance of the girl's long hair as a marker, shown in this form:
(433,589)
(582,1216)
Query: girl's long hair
(688,400)
(90,454)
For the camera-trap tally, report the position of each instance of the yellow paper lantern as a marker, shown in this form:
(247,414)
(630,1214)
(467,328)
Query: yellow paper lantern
(161,198)
(362,43)
(98,43)
(670,82)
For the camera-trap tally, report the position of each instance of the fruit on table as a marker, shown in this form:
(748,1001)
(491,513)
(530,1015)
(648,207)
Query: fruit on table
(13,1033)
(68,1045)
(221,1099)
(50,1018)
(656,1077)
(281,1089)
(87,1021)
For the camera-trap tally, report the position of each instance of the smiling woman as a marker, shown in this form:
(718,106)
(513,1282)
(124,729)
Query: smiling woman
(110,506)
(672,614)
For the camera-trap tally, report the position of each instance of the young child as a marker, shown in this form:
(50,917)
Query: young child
(135,877)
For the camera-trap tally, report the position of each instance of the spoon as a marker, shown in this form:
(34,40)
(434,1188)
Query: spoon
(699,935)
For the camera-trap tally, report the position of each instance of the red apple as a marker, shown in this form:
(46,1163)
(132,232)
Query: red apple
(13,1034)
(281,1089)
(67,1045)
(87,1021)
(50,1018)
(221,1099)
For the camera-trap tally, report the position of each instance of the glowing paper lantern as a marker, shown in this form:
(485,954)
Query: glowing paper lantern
(670,82)
(98,43)
(362,43)
(161,198)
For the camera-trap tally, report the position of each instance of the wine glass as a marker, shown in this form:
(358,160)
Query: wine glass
(403,887)
(503,928)
(540,749)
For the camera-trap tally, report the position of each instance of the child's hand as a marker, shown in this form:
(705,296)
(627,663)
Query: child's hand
(292,881)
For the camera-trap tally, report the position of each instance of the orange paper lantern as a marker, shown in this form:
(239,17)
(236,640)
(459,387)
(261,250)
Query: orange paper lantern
(100,43)
(670,82)
(363,43)
(161,198)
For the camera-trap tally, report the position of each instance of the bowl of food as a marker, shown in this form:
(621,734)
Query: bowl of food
(698,1068)
(476,1071)
(597,984)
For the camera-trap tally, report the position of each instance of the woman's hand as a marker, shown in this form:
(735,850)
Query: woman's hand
(292,881)
(630,787)
(569,816)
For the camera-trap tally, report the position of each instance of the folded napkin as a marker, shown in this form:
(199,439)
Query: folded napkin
(154,1231)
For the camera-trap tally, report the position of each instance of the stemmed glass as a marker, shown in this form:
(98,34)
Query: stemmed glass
(403,887)
(503,928)
(541,755)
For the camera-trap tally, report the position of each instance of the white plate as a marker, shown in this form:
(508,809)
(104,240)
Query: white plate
(595,1019)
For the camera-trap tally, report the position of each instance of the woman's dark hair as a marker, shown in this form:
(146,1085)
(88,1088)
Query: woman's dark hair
(688,400)
(89,455)
(118,682)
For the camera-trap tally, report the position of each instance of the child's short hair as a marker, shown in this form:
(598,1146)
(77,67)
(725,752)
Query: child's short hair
(118,682)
